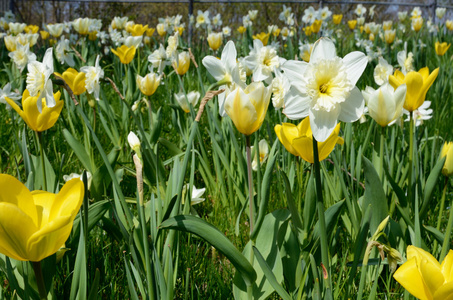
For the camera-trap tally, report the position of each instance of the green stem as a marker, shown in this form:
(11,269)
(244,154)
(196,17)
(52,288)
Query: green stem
(381,156)
(322,221)
(364,268)
(39,279)
(150,113)
(446,244)
(250,179)
(441,211)
(43,166)
(410,195)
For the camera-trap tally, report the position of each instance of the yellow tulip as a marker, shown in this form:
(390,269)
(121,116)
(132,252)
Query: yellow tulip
(417,24)
(161,29)
(215,40)
(44,35)
(183,63)
(150,31)
(308,30)
(263,37)
(180,30)
(75,80)
(447,150)
(424,277)
(337,19)
(126,54)
(137,29)
(10,42)
(417,84)
(148,84)
(387,25)
(298,140)
(441,48)
(389,36)
(247,108)
(34,225)
(31,29)
(449,24)
(316,26)
(241,29)
(38,121)
(92,36)
(352,24)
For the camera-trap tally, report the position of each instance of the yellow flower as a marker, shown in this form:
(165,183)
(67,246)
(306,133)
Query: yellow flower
(215,40)
(38,121)
(276,32)
(424,277)
(371,37)
(148,84)
(161,29)
(10,42)
(182,65)
(352,24)
(247,108)
(308,30)
(92,36)
(417,24)
(389,36)
(441,48)
(263,37)
(34,225)
(126,54)
(44,35)
(298,140)
(137,29)
(387,25)
(241,29)
(75,80)
(150,31)
(337,19)
(316,26)
(31,29)
(449,24)
(417,84)
(447,150)
(180,30)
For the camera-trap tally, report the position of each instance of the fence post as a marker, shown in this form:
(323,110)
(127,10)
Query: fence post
(190,24)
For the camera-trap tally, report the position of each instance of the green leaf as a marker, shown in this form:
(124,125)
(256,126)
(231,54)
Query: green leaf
(437,234)
(79,150)
(216,238)
(96,211)
(79,278)
(430,184)
(374,195)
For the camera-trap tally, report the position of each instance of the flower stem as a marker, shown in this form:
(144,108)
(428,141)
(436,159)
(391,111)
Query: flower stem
(441,211)
(410,195)
(249,173)
(322,221)
(446,244)
(39,279)
(43,166)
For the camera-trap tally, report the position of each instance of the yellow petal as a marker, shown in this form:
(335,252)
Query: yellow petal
(432,276)
(69,199)
(304,147)
(286,133)
(31,112)
(43,203)
(447,267)
(445,292)
(414,83)
(241,111)
(49,115)
(410,278)
(421,254)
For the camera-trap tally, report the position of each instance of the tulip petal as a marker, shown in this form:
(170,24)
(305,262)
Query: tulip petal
(323,122)
(296,105)
(410,278)
(304,147)
(43,203)
(414,83)
(324,48)
(325,148)
(16,227)
(447,267)
(241,111)
(68,200)
(431,274)
(352,107)
(445,292)
(421,254)
(355,63)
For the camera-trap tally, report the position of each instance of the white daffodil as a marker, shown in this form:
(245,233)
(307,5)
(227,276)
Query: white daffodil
(360,10)
(324,13)
(280,87)
(420,114)
(224,70)
(22,56)
(183,100)
(93,76)
(134,141)
(202,19)
(285,13)
(217,20)
(158,59)
(324,89)
(6,92)
(385,104)
(38,80)
(66,178)
(226,31)
(405,60)
(382,71)
(63,52)
(310,15)
(196,194)
(263,148)
(172,48)
(262,60)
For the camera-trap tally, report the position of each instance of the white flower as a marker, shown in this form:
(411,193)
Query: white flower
(290,20)
(324,13)
(420,114)
(262,60)
(385,104)
(360,21)
(310,15)
(66,178)
(246,22)
(183,100)
(133,141)
(253,14)
(285,13)
(133,41)
(324,89)
(6,92)
(22,56)
(172,47)
(38,80)
(93,76)
(158,59)
(440,12)
(217,21)
(63,52)
(226,69)
(119,23)
(16,28)
(402,15)
(305,51)
(382,71)
(263,154)
(416,12)
(371,11)
(360,10)
(196,194)
(405,60)
(226,31)
(202,19)
(280,87)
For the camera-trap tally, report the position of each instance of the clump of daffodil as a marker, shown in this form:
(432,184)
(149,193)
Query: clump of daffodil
(417,84)
(298,140)
(126,54)
(75,80)
(247,107)
(36,120)
(34,225)
(447,150)
(441,48)
(215,40)
(424,277)
(148,84)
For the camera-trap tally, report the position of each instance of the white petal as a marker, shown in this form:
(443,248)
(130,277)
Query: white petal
(355,63)
(48,60)
(352,107)
(214,67)
(221,99)
(323,122)
(324,48)
(48,91)
(229,55)
(296,105)
(294,71)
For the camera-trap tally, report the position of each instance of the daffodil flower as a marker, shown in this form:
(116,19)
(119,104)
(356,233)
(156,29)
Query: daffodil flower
(262,60)
(424,277)
(298,140)
(38,80)
(93,76)
(324,88)
(34,225)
